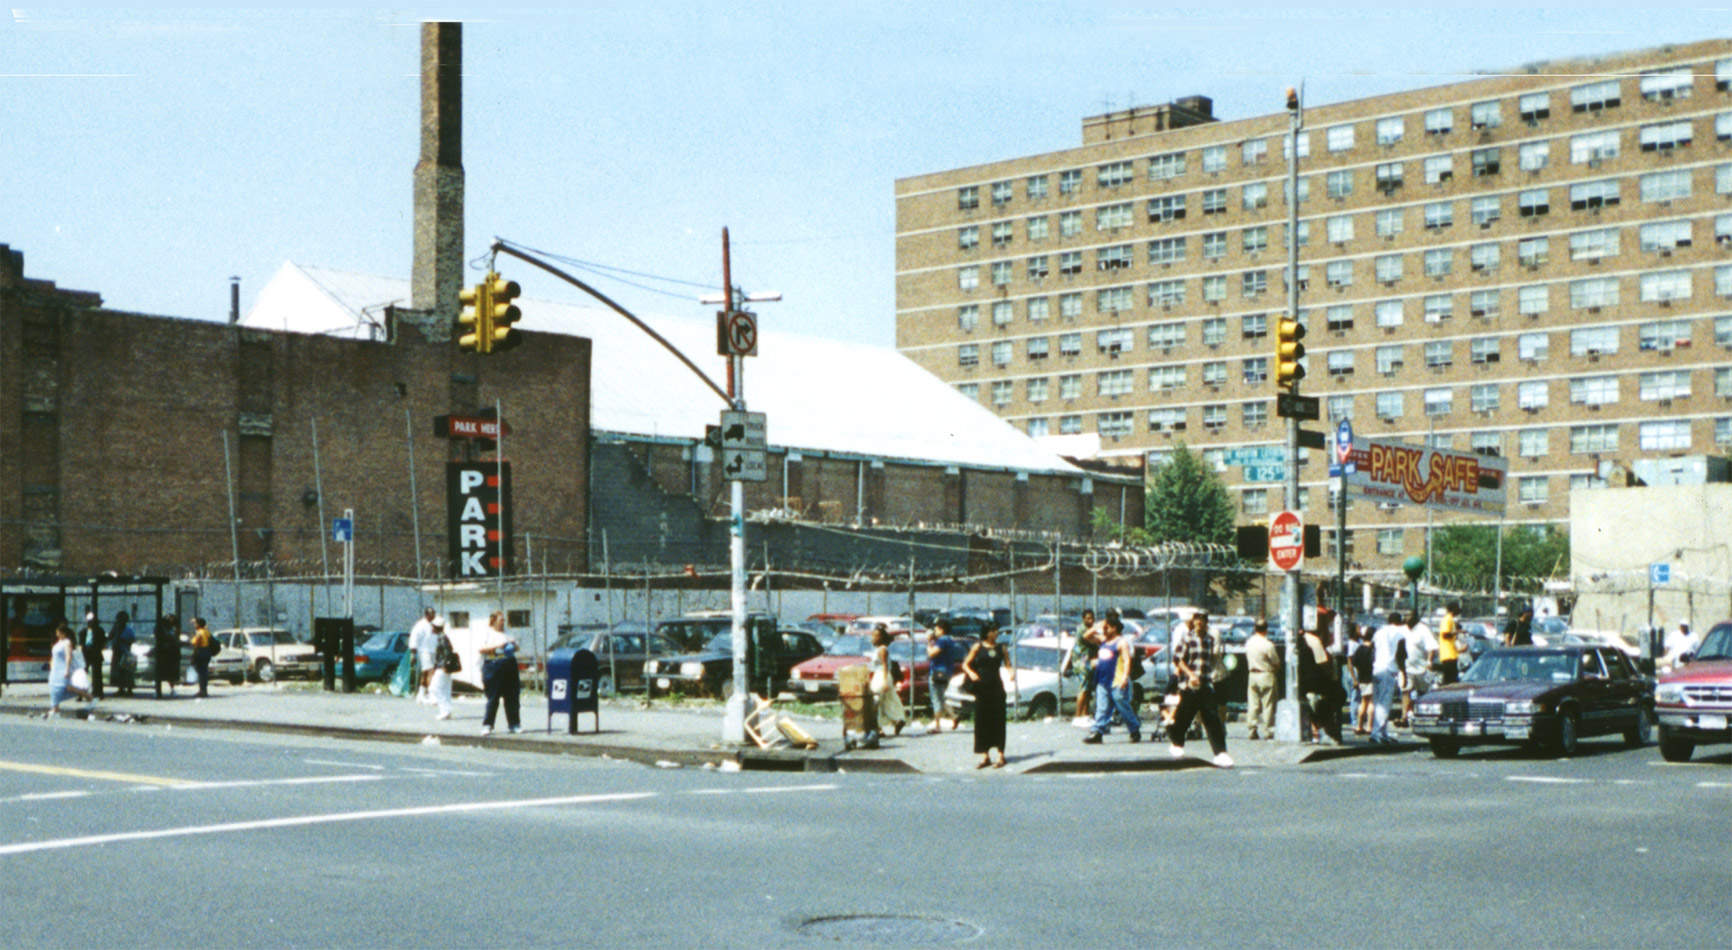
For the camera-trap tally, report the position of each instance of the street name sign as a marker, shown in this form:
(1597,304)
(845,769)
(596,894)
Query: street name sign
(1256,474)
(1255,455)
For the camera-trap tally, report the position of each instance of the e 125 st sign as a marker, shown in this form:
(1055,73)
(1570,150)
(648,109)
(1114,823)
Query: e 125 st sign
(478,513)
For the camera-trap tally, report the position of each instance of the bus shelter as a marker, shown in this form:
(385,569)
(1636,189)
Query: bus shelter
(32,606)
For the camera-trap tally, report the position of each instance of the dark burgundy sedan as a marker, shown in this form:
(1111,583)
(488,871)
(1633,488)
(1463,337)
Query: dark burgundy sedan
(1550,697)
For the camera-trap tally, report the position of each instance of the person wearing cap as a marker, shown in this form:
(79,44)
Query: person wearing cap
(439,678)
(422,643)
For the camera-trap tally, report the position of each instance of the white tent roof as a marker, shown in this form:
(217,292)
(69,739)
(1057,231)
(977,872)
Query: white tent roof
(819,395)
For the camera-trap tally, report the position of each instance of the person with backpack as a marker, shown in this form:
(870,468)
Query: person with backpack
(204,647)
(444,663)
(1117,668)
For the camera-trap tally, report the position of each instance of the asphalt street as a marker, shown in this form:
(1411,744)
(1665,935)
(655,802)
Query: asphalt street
(135,835)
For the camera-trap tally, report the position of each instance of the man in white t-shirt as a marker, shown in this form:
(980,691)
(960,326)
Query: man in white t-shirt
(1421,653)
(1385,675)
(1679,643)
(422,643)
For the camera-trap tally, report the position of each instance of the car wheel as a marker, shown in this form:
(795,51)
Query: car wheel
(604,685)
(1042,706)
(1642,732)
(1674,747)
(1444,749)
(266,671)
(1569,735)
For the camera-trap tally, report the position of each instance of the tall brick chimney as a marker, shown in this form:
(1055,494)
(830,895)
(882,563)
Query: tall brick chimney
(438,271)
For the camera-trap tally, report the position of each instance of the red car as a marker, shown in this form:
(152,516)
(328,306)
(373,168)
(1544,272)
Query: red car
(817,677)
(1694,701)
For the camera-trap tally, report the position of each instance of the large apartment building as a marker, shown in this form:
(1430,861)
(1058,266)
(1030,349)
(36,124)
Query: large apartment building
(1536,264)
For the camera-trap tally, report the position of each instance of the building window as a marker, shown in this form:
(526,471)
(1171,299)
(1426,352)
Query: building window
(1390,131)
(1338,318)
(1001,353)
(1002,391)
(1256,240)
(1532,252)
(1214,245)
(1484,303)
(1439,214)
(1723,332)
(1389,405)
(1390,542)
(1662,186)
(1439,401)
(1674,83)
(1215,331)
(1166,293)
(1665,285)
(1070,387)
(1036,189)
(1595,96)
(1037,428)
(1339,228)
(1389,359)
(1256,369)
(1114,174)
(1002,232)
(968,198)
(1664,384)
(1003,312)
(1070,344)
(1215,158)
(1339,184)
(1117,257)
(1253,283)
(969,391)
(1070,263)
(1484,349)
(1533,443)
(1304,146)
(1115,341)
(1254,501)
(1214,288)
(1165,336)
(1389,176)
(1215,201)
(1039,309)
(1304,234)
(1339,273)
(1253,197)
(1664,235)
(1038,228)
(1485,211)
(1671,435)
(1594,245)
(1166,420)
(1723,430)
(1484,258)
(1533,300)
(1113,299)
(1439,354)
(1723,281)
(1305,276)
(1486,443)
(1534,156)
(1723,381)
(1439,121)
(1387,267)
(1070,224)
(1591,148)
(1533,347)
(1484,397)
(1215,373)
(1001,273)
(1338,138)
(1439,262)
(1214,418)
(1534,107)
(968,354)
(1594,292)
(1533,395)
(1390,313)
(1255,415)
(968,278)
(1439,169)
(1533,203)
(1663,335)
(1070,181)
(1254,326)
(1170,165)
(1486,115)
(1593,438)
(1039,347)
(967,239)
(1389,222)
(1304,191)
(1723,127)
(1113,217)
(1439,307)
(1168,251)
(1165,378)
(1039,267)
(1116,382)
(1170,208)
(1594,390)
(1665,136)
(1339,407)
(968,316)
(1531,489)
(1254,151)
(1341,362)
(1070,425)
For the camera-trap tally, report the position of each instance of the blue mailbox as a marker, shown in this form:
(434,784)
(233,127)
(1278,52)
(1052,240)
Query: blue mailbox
(571,676)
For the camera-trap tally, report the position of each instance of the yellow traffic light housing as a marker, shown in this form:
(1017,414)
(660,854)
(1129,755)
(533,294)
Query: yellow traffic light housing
(476,318)
(1288,352)
(502,313)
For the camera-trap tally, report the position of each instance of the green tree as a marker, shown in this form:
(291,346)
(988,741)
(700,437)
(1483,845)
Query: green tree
(1465,555)
(1186,501)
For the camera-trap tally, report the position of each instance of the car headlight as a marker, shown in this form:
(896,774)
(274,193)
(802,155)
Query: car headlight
(1521,707)
(795,675)
(1669,693)
(1428,709)
(653,666)
(692,669)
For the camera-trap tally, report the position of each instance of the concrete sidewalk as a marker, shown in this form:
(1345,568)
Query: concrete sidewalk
(663,735)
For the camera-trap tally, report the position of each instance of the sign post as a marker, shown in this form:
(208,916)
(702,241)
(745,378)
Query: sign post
(343,532)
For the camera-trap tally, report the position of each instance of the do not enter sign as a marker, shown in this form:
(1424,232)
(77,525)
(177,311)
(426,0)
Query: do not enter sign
(1286,541)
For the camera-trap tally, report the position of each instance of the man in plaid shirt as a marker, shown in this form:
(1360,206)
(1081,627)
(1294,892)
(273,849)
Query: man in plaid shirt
(1194,665)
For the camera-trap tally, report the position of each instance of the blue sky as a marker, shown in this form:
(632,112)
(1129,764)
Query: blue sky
(149,155)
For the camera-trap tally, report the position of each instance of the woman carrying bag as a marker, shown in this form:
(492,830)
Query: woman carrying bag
(985,660)
(883,685)
(66,672)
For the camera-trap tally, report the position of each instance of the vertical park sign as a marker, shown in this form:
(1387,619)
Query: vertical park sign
(478,519)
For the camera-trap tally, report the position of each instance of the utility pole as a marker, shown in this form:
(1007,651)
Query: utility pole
(1288,726)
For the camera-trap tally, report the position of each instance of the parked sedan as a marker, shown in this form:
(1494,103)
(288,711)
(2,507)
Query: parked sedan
(711,670)
(616,653)
(267,654)
(1694,700)
(816,677)
(377,659)
(1543,696)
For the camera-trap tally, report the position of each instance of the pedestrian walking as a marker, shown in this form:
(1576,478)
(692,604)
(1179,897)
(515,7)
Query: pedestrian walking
(1194,664)
(983,667)
(204,647)
(941,666)
(1389,648)
(1360,662)
(1079,664)
(884,680)
(1521,632)
(66,671)
(123,665)
(1116,670)
(1421,654)
(1450,644)
(445,663)
(1319,685)
(91,641)
(423,643)
(165,653)
(1263,671)
(499,674)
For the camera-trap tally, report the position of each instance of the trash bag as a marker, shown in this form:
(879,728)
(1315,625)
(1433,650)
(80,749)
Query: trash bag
(403,682)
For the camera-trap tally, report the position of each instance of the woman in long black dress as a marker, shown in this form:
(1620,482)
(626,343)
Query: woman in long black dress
(982,667)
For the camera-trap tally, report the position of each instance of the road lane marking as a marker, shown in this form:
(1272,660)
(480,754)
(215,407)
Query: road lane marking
(344,765)
(255,783)
(300,821)
(100,776)
(1714,784)
(763,790)
(447,772)
(1545,780)
(47,796)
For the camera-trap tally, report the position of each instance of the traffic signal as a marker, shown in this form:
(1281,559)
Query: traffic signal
(502,313)
(1288,352)
(476,319)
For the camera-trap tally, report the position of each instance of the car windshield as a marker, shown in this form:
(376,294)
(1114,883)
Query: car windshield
(1037,658)
(1717,645)
(904,649)
(281,638)
(379,641)
(721,643)
(1501,665)
(850,646)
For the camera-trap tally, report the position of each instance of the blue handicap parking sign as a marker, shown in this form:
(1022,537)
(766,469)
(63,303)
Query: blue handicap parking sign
(343,530)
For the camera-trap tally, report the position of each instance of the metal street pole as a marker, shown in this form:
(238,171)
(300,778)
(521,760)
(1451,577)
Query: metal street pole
(734,719)
(1289,710)
(349,566)
(234,528)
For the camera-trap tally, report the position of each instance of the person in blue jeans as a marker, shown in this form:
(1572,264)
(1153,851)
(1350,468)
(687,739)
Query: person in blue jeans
(1113,683)
(941,652)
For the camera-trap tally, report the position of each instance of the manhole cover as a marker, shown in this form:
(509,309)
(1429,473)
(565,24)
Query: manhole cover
(893,929)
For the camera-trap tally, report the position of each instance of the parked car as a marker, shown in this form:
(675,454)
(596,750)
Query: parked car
(143,651)
(1694,700)
(710,671)
(1542,696)
(377,658)
(618,654)
(825,633)
(268,653)
(1032,681)
(694,630)
(836,622)
(816,677)
(229,663)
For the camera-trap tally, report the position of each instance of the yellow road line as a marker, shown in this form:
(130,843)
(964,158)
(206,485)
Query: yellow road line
(100,776)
